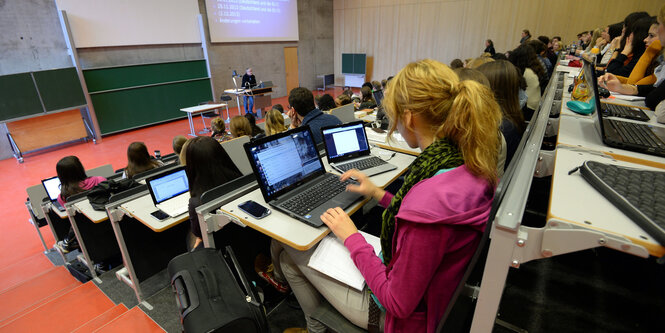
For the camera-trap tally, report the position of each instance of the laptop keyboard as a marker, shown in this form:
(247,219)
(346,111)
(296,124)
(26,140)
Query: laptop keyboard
(637,193)
(637,134)
(316,195)
(622,111)
(363,164)
(175,207)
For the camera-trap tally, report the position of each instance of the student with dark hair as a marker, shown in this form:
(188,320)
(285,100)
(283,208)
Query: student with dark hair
(278,107)
(456,63)
(431,227)
(139,160)
(499,56)
(304,113)
(256,131)
(73,180)
(207,166)
(367,100)
(326,103)
(614,37)
(367,84)
(540,49)
(489,47)
(524,58)
(625,61)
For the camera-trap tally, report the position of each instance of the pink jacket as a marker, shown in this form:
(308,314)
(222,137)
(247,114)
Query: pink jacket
(437,230)
(86,184)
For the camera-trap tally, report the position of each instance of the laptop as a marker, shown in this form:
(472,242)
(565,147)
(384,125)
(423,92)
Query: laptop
(292,178)
(378,97)
(618,133)
(623,111)
(52,187)
(170,191)
(347,148)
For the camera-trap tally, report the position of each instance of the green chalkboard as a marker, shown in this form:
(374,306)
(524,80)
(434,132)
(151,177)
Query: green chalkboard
(354,63)
(124,109)
(60,88)
(18,96)
(347,63)
(138,75)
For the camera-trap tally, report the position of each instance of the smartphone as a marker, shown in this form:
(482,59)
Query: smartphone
(158,154)
(254,209)
(158,214)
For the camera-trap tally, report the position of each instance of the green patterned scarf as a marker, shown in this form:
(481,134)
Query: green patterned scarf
(441,154)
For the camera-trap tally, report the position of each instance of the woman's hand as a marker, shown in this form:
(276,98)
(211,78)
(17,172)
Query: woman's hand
(600,42)
(339,222)
(628,49)
(364,187)
(612,83)
(616,42)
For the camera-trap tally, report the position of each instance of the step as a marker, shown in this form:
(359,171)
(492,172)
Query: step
(23,270)
(35,291)
(63,314)
(134,320)
(102,319)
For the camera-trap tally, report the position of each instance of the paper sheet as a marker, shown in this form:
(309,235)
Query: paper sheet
(332,258)
(627,97)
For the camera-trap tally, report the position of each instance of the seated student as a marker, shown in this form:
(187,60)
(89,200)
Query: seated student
(612,35)
(274,122)
(343,99)
(73,180)
(642,73)
(539,48)
(240,126)
(432,226)
(178,141)
(367,99)
(139,160)
(326,103)
(304,113)
(256,131)
(208,166)
(219,132)
(278,107)
(524,58)
(632,45)
(655,92)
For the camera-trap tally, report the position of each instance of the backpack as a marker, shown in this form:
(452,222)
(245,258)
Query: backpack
(100,194)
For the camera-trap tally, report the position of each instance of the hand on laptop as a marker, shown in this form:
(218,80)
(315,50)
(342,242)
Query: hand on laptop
(364,187)
(339,222)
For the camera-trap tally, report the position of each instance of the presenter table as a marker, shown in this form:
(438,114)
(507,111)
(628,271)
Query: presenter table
(261,95)
(200,109)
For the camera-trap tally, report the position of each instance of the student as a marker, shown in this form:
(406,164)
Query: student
(343,99)
(278,107)
(178,141)
(539,48)
(73,180)
(655,92)
(326,103)
(304,113)
(139,160)
(274,123)
(240,126)
(367,100)
(208,166)
(489,47)
(524,58)
(612,34)
(432,226)
(219,132)
(256,131)
(248,81)
(625,61)
(643,72)
(526,35)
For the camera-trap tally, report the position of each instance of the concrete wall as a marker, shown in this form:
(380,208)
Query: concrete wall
(32,40)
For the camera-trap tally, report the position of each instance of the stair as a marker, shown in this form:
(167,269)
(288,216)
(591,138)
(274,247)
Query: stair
(134,320)
(25,269)
(64,313)
(102,319)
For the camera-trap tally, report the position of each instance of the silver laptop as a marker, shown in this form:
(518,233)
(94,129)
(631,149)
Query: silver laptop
(347,148)
(170,191)
(52,187)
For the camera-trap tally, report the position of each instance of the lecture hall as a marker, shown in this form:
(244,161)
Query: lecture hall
(332,166)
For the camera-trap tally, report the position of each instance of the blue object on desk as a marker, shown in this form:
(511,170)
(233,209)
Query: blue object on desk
(581,107)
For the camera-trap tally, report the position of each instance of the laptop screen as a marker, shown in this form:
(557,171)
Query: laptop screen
(378,97)
(592,80)
(169,185)
(52,187)
(285,160)
(345,140)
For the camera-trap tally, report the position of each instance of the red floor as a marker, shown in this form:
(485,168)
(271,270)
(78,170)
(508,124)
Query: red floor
(22,258)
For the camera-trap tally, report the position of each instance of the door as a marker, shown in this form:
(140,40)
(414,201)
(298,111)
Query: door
(291,67)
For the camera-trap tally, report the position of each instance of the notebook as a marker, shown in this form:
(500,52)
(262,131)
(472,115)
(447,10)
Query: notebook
(347,148)
(170,191)
(52,187)
(292,178)
(618,133)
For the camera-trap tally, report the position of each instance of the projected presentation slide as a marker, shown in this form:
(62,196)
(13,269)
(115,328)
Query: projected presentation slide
(252,20)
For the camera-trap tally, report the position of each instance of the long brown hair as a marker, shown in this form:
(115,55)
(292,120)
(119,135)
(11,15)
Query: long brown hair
(70,171)
(504,80)
(240,126)
(138,159)
(464,112)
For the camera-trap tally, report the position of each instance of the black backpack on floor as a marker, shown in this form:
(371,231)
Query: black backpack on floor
(213,294)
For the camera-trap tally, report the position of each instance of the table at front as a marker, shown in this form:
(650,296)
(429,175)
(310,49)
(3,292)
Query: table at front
(199,109)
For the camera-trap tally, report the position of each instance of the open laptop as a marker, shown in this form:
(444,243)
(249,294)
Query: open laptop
(347,148)
(292,179)
(618,133)
(170,191)
(52,187)
(378,97)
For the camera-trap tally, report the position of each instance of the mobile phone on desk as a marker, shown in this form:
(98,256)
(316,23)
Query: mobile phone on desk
(159,215)
(254,209)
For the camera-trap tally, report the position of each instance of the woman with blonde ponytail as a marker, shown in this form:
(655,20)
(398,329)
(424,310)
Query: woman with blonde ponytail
(431,227)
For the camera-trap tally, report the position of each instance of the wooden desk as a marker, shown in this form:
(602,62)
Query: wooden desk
(298,234)
(198,109)
(262,98)
(85,208)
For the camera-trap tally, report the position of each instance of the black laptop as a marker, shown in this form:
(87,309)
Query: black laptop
(292,178)
(618,133)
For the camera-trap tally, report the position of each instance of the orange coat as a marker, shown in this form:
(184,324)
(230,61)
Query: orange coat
(637,76)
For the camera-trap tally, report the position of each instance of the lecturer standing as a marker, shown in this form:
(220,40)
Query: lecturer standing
(248,81)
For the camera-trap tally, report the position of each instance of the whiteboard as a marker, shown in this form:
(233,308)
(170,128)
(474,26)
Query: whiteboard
(96,23)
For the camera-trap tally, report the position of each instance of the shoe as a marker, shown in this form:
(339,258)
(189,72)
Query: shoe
(296,330)
(68,245)
(269,276)
(100,268)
